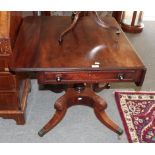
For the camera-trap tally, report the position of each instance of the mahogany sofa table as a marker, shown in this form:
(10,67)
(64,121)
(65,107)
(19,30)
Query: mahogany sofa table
(89,55)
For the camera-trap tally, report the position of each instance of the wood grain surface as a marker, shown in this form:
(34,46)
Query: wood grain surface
(87,47)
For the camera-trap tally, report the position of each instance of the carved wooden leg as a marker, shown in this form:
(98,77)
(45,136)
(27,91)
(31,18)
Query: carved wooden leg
(61,108)
(80,94)
(73,24)
(99,108)
(103,117)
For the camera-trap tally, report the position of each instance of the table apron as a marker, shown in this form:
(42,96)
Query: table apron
(88,77)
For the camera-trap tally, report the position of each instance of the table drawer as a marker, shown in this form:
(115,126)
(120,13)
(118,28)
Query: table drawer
(92,77)
(7,81)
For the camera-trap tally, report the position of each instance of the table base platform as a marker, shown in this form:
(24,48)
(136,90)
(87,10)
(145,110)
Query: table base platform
(80,94)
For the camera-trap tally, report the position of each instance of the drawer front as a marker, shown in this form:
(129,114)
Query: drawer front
(9,101)
(91,77)
(7,81)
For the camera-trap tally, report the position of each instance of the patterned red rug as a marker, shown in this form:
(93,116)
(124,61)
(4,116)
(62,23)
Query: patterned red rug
(137,111)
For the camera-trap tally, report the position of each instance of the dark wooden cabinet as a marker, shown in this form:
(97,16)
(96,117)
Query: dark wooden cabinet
(13,90)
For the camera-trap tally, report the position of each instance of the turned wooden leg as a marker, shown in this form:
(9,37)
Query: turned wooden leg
(99,108)
(73,24)
(61,109)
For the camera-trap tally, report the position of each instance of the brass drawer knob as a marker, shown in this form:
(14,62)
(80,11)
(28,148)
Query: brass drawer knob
(58,78)
(120,76)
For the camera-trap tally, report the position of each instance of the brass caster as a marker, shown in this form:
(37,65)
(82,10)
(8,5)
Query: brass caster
(119,134)
(119,131)
(42,132)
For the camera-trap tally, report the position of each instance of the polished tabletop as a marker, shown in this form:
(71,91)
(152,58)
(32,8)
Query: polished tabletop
(87,47)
